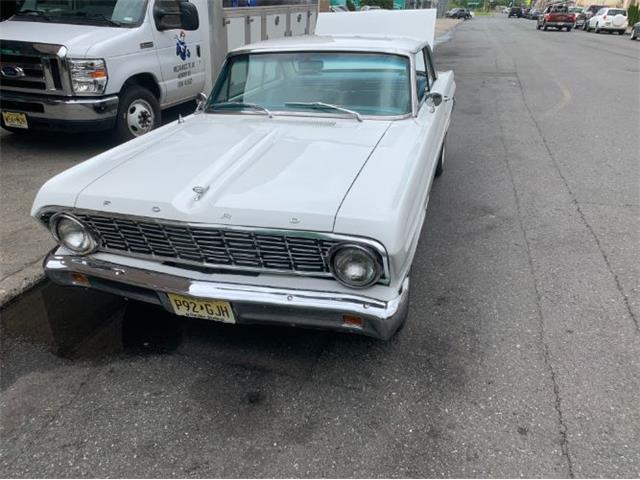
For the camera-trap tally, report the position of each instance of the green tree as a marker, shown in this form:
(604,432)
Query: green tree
(350,6)
(633,15)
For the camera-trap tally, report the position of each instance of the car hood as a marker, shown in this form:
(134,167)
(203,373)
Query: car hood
(280,172)
(77,38)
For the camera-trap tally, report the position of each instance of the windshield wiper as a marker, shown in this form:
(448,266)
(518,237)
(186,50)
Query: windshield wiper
(253,106)
(93,16)
(324,106)
(28,12)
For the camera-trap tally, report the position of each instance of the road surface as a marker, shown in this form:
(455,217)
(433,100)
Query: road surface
(521,356)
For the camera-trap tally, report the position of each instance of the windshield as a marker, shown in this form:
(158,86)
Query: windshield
(616,12)
(369,84)
(112,13)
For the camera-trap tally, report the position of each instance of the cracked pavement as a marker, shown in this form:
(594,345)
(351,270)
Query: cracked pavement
(521,356)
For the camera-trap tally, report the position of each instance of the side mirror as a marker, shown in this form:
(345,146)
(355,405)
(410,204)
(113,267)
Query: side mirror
(168,17)
(433,100)
(201,101)
(189,16)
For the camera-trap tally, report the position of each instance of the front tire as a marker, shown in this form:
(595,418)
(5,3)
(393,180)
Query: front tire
(138,113)
(633,34)
(440,166)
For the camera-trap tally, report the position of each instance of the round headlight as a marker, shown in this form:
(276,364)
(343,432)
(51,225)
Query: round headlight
(72,234)
(355,266)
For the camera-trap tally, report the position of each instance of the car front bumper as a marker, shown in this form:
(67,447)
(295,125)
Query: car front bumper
(251,304)
(62,113)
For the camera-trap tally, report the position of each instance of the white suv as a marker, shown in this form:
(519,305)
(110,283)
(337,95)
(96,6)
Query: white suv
(609,19)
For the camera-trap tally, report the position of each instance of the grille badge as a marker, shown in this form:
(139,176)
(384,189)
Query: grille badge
(11,71)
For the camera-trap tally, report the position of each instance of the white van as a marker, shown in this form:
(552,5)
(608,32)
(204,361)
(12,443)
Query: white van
(78,65)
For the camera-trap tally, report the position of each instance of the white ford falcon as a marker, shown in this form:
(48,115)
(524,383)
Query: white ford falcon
(294,195)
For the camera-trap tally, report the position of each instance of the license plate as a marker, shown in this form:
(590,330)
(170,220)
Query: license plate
(15,120)
(216,310)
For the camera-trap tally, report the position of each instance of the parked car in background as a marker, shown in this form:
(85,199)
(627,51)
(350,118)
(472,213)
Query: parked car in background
(515,12)
(589,12)
(556,16)
(462,13)
(576,11)
(302,195)
(609,20)
(533,14)
(635,31)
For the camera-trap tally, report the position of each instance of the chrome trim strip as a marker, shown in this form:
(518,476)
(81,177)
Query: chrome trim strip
(377,246)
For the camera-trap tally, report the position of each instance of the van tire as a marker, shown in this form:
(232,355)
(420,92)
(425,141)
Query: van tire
(138,113)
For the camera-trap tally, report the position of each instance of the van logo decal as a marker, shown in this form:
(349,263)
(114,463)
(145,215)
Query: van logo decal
(182,50)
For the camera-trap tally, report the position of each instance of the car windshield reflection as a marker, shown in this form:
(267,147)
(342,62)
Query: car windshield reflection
(369,84)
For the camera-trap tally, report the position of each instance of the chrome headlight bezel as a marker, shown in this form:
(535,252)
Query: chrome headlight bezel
(54,224)
(376,264)
(90,73)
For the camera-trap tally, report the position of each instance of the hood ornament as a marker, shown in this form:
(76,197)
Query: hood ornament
(199,191)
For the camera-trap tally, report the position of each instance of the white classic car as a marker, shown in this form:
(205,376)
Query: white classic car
(294,195)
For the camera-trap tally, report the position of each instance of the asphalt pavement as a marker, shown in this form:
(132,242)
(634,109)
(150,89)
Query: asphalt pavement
(521,355)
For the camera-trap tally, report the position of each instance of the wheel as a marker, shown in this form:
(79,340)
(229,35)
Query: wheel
(633,34)
(621,32)
(138,113)
(597,29)
(544,27)
(440,166)
(568,29)
(538,26)
(585,26)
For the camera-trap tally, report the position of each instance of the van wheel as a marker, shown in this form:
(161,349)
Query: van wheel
(440,167)
(138,113)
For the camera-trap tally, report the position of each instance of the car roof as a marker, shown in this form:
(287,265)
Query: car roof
(367,43)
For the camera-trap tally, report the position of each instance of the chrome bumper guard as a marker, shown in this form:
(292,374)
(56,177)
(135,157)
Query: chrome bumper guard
(251,304)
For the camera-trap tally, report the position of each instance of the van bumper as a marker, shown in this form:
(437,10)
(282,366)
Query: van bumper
(251,304)
(62,113)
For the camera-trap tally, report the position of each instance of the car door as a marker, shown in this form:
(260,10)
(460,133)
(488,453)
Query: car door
(433,120)
(179,54)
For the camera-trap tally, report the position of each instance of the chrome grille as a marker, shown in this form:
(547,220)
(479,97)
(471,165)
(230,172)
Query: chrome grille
(39,72)
(208,246)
